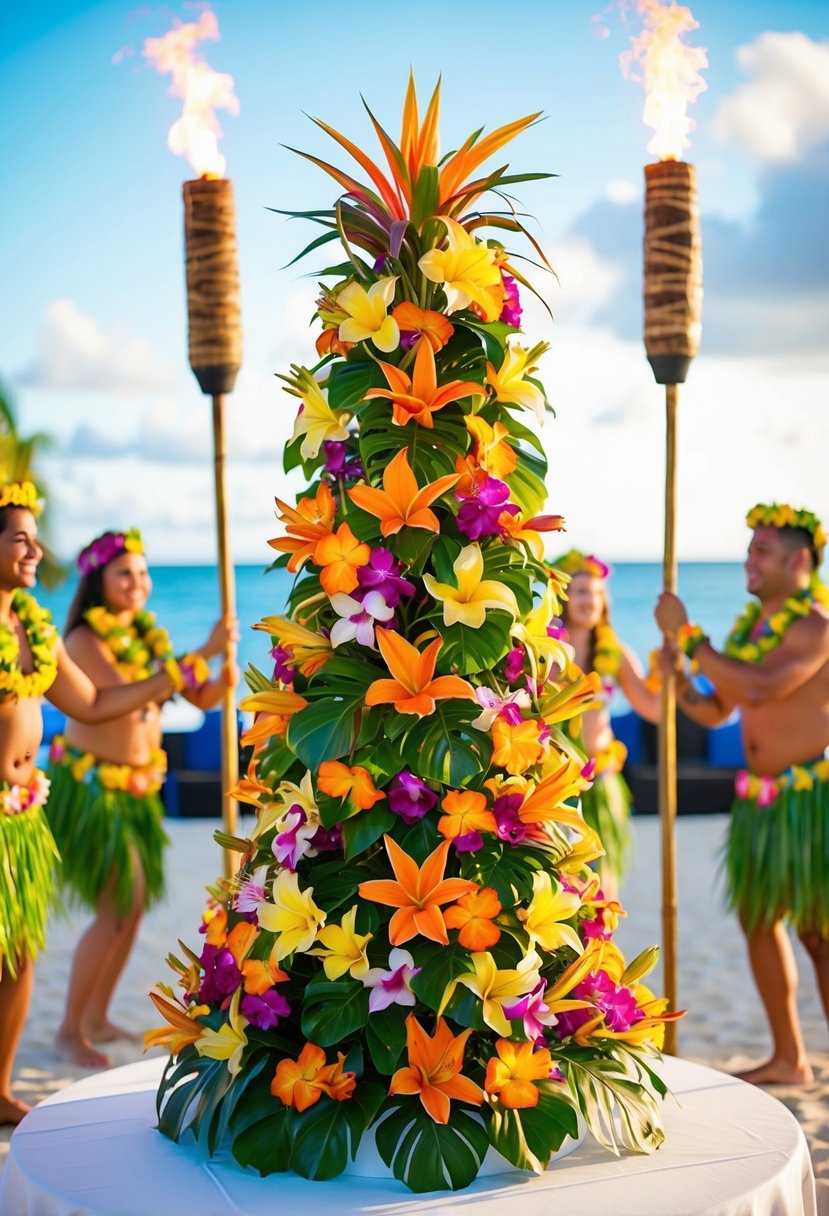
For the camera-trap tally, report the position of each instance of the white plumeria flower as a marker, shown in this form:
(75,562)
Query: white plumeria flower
(358,618)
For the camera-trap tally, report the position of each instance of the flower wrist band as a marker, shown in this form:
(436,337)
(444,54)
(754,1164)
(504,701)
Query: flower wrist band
(190,672)
(690,638)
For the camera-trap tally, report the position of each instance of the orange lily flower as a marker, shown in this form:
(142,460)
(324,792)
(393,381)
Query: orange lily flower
(260,975)
(339,781)
(434,1069)
(417,892)
(414,690)
(274,710)
(511,1076)
(250,789)
(490,447)
(183,1029)
(307,524)
(473,916)
(341,555)
(465,811)
(402,503)
(419,397)
(517,748)
(433,326)
(572,699)
(516,529)
(545,802)
(240,939)
(330,343)
(302,1082)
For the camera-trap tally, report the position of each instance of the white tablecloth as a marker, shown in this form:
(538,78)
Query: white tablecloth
(92,1150)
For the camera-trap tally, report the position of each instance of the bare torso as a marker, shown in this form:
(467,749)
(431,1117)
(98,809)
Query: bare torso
(789,730)
(21,727)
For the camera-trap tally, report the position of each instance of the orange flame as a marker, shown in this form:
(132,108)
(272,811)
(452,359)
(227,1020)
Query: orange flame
(670,72)
(196,134)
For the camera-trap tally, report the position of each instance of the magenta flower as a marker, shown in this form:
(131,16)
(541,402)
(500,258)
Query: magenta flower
(392,987)
(514,664)
(482,509)
(327,840)
(384,574)
(282,669)
(469,842)
(337,461)
(221,975)
(536,1015)
(264,1010)
(410,798)
(511,312)
(557,629)
(295,840)
(618,1005)
(510,828)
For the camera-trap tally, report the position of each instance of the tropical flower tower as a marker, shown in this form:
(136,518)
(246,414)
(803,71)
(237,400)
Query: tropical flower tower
(415,942)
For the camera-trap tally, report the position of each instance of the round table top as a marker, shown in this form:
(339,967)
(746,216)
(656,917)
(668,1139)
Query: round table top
(93,1150)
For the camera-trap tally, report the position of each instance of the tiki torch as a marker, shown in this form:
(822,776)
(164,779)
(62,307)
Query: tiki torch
(213,311)
(672,327)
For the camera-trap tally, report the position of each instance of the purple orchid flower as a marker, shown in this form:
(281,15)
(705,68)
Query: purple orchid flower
(282,668)
(410,798)
(264,1010)
(514,664)
(617,1003)
(536,1015)
(510,828)
(481,511)
(511,311)
(384,574)
(392,987)
(221,975)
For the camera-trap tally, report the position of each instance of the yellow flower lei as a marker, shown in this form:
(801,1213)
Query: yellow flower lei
(607,652)
(43,640)
(741,645)
(138,649)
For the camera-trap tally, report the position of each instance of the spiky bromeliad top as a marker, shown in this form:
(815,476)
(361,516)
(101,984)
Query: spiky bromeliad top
(416,939)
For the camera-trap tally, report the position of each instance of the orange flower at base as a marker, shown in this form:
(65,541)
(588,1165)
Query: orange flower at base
(465,811)
(510,1078)
(341,555)
(414,690)
(417,893)
(339,781)
(434,1070)
(302,1082)
(473,915)
(517,748)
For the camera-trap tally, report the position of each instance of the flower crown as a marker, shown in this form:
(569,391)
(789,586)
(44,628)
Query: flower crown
(781,515)
(104,548)
(575,562)
(20,494)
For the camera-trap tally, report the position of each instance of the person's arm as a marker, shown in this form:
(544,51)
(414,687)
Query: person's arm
(211,693)
(798,658)
(646,702)
(75,695)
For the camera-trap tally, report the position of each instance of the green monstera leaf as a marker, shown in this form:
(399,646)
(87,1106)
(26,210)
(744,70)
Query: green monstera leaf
(333,1010)
(444,747)
(529,1137)
(429,1156)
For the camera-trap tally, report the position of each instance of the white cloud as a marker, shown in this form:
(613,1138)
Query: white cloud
(783,108)
(73,352)
(622,191)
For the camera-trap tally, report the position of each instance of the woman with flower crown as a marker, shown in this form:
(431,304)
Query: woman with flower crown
(104,808)
(34,663)
(586,618)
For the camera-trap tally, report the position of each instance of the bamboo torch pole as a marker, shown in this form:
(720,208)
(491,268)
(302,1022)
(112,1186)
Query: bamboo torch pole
(215,342)
(673,305)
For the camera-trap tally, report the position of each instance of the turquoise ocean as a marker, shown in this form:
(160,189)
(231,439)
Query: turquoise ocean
(185,600)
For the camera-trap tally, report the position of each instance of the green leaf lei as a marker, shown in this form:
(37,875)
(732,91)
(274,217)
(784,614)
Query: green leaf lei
(42,637)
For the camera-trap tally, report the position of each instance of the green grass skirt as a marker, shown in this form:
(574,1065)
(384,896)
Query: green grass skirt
(777,860)
(103,833)
(606,809)
(28,859)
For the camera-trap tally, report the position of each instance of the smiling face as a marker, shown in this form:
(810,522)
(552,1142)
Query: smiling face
(774,567)
(127,583)
(585,601)
(20,552)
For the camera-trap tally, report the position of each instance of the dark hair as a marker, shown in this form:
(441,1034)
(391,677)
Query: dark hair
(89,592)
(800,538)
(4,513)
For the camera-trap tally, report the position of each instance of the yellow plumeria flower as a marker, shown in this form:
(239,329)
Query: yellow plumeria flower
(229,1041)
(368,314)
(547,909)
(344,948)
(467,603)
(495,988)
(467,271)
(316,421)
(292,914)
(509,381)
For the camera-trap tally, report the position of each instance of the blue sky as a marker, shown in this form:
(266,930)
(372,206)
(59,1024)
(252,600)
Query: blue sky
(93,331)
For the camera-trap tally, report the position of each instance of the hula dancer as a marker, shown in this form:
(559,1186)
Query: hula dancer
(33,663)
(775,667)
(104,808)
(586,616)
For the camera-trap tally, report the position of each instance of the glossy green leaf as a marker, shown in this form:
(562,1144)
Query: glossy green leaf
(333,1010)
(430,1156)
(528,1137)
(444,747)
(439,965)
(365,828)
(386,1037)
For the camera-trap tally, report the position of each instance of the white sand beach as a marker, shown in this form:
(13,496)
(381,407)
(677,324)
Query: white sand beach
(724,1027)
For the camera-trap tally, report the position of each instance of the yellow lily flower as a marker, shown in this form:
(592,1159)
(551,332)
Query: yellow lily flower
(467,271)
(368,314)
(309,651)
(316,420)
(543,650)
(497,988)
(509,381)
(183,1026)
(547,909)
(229,1041)
(467,603)
(344,948)
(286,795)
(292,914)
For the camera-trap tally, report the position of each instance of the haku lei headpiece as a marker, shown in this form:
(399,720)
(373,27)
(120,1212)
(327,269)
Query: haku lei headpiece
(104,548)
(21,494)
(781,515)
(575,562)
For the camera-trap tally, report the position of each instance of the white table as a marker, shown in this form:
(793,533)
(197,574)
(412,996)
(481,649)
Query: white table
(92,1150)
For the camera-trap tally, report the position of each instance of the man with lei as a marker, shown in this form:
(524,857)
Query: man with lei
(104,808)
(585,623)
(33,663)
(775,667)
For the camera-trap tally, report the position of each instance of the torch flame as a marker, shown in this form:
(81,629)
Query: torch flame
(196,134)
(670,72)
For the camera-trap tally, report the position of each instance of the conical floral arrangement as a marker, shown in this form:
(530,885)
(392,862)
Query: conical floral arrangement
(415,942)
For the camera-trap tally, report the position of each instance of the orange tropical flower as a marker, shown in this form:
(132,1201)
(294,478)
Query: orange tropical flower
(516,529)
(240,939)
(465,811)
(339,1085)
(490,448)
(249,788)
(302,1082)
(473,916)
(339,781)
(419,397)
(341,555)
(260,975)
(274,709)
(574,698)
(434,1069)
(308,651)
(511,1076)
(183,1029)
(417,892)
(306,524)
(330,343)
(545,802)
(433,326)
(402,503)
(214,918)
(414,689)
(517,748)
